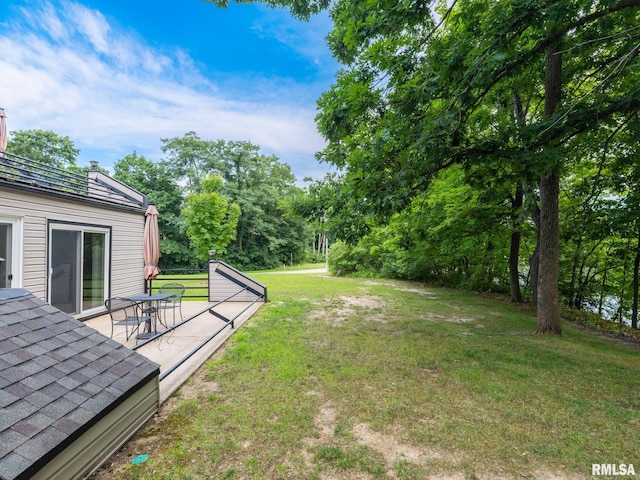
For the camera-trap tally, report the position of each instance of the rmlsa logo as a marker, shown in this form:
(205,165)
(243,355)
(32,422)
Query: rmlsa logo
(612,469)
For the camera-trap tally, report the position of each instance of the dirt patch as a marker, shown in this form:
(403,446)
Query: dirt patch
(196,387)
(619,337)
(393,450)
(387,445)
(326,423)
(337,310)
(403,288)
(456,319)
(448,318)
(149,444)
(543,474)
(369,301)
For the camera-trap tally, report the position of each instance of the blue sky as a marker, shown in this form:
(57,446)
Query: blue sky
(116,76)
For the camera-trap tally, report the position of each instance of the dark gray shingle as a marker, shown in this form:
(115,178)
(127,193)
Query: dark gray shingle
(57,376)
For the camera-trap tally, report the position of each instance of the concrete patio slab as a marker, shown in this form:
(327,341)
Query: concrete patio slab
(179,351)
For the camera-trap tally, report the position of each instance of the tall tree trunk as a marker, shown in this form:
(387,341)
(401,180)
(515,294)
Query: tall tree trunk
(574,273)
(636,268)
(514,254)
(516,205)
(548,312)
(619,316)
(602,290)
(534,262)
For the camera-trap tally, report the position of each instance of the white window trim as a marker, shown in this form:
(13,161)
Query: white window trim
(53,225)
(17,248)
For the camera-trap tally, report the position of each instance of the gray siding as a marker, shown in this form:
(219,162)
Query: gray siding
(36,210)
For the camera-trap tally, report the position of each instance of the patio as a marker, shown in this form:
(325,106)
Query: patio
(171,349)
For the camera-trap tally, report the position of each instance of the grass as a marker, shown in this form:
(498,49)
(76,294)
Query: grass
(351,378)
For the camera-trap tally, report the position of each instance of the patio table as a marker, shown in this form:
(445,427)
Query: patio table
(153,301)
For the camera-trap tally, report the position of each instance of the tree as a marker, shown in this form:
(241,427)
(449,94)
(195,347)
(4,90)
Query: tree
(548,306)
(211,218)
(449,235)
(315,205)
(43,146)
(269,233)
(160,186)
(627,189)
(300,9)
(191,158)
(416,97)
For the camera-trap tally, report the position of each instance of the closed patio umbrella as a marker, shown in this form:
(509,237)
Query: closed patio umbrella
(151,245)
(3,130)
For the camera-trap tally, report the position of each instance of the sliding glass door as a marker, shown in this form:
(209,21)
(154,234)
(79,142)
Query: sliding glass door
(79,259)
(94,270)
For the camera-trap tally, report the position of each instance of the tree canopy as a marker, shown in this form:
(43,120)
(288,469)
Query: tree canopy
(485,145)
(160,187)
(269,232)
(43,146)
(211,218)
(424,89)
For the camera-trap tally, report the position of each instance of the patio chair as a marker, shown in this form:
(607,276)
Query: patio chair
(173,303)
(128,313)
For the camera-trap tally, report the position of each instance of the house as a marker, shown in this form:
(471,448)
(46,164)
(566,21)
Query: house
(69,396)
(72,240)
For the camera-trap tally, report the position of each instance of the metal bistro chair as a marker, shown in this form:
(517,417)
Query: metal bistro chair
(173,303)
(126,312)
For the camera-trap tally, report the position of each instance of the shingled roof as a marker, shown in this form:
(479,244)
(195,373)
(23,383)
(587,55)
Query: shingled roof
(58,378)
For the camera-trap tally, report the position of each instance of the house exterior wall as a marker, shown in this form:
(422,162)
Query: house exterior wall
(37,210)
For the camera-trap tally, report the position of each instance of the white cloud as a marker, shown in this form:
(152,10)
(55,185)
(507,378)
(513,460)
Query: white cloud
(50,22)
(65,68)
(91,24)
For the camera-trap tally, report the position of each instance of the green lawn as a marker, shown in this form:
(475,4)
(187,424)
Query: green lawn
(375,379)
